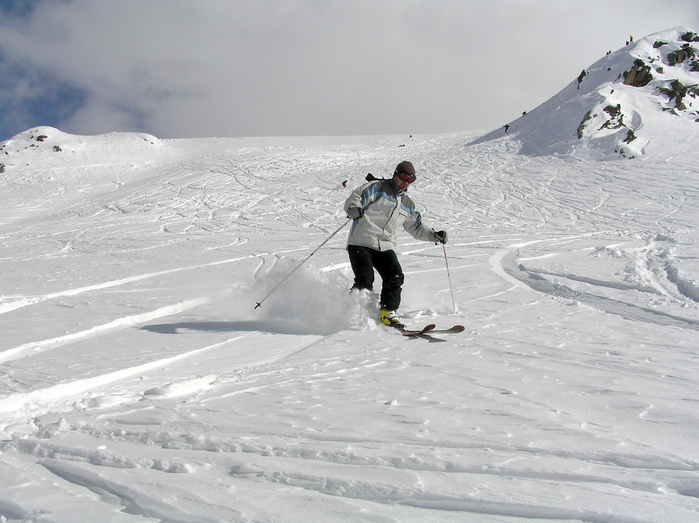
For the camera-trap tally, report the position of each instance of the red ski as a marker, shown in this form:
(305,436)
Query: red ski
(408,332)
(432,329)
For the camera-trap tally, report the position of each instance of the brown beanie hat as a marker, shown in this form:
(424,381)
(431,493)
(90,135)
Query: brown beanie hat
(405,168)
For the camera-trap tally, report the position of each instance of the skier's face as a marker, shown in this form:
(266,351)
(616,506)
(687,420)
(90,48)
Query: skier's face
(403,181)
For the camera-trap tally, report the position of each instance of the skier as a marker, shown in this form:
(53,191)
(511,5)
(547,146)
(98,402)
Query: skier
(378,209)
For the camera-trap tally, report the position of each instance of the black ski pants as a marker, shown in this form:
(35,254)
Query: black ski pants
(364,260)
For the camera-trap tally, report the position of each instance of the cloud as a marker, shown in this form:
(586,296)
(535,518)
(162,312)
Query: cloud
(177,68)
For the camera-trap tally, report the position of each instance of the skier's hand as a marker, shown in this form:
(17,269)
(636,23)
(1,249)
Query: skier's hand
(355,212)
(440,237)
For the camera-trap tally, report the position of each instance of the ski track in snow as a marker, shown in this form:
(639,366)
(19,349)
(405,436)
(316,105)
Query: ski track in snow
(121,323)
(19,303)
(570,397)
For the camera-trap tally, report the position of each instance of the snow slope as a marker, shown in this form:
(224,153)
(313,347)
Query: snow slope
(138,382)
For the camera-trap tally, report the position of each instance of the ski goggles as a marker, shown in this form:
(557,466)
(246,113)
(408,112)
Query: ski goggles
(407,178)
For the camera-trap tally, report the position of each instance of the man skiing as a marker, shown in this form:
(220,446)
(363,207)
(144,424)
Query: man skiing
(378,209)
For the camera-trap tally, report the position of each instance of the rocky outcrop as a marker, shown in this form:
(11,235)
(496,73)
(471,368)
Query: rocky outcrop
(690,36)
(639,76)
(581,127)
(676,92)
(616,117)
(614,107)
(679,56)
(663,70)
(686,56)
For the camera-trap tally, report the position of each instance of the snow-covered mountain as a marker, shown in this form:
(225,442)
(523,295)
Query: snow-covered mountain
(139,383)
(622,104)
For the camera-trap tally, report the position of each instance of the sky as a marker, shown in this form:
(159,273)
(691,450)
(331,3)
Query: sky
(227,68)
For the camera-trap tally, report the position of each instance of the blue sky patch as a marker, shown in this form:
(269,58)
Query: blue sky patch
(30,97)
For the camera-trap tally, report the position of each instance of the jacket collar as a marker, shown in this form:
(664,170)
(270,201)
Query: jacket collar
(395,188)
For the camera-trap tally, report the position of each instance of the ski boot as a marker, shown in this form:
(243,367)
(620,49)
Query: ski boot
(391,319)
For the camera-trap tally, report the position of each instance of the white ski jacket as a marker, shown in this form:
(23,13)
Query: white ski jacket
(386,208)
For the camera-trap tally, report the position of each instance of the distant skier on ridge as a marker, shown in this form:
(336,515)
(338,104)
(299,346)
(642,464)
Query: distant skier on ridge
(378,209)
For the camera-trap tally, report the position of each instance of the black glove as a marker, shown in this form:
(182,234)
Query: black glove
(440,237)
(355,212)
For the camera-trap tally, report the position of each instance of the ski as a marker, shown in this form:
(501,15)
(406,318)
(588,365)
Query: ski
(424,330)
(432,329)
(451,330)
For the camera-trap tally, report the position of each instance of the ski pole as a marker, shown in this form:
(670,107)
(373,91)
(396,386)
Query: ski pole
(259,303)
(451,287)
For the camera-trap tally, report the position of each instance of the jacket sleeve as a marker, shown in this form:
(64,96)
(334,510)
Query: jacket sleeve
(360,197)
(413,223)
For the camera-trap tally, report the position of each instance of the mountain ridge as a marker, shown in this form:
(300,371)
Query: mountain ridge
(619,105)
